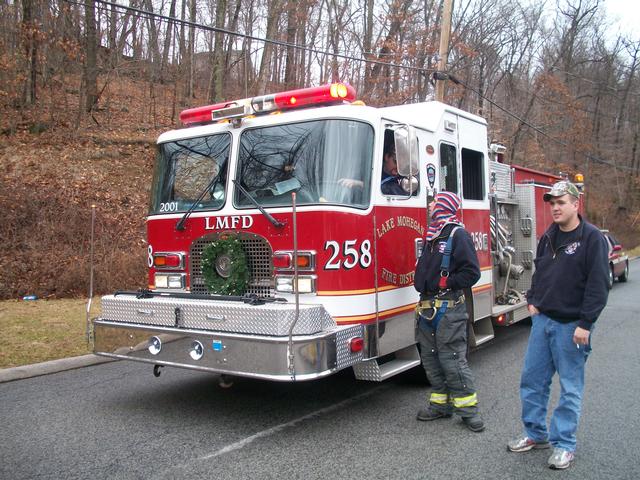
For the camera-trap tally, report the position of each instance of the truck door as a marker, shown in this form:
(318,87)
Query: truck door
(399,221)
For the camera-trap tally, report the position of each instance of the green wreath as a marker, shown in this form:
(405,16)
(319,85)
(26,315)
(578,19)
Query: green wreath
(224,267)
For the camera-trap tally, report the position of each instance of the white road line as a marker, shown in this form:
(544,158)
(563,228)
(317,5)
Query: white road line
(278,428)
(172,471)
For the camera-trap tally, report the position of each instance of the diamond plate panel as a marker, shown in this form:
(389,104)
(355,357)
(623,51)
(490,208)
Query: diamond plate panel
(501,179)
(121,309)
(520,314)
(272,319)
(369,370)
(524,243)
(344,357)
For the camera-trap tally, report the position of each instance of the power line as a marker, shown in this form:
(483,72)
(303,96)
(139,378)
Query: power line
(533,127)
(565,104)
(225,31)
(443,75)
(593,82)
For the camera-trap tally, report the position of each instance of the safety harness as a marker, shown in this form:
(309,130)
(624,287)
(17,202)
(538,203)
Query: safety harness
(431,311)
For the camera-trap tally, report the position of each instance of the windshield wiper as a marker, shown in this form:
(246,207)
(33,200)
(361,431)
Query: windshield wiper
(275,222)
(180,224)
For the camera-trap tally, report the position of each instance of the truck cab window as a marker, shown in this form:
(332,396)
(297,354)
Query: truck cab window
(184,168)
(392,182)
(324,161)
(448,168)
(472,174)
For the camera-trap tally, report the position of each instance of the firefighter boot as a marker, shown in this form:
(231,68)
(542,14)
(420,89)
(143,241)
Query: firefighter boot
(475,423)
(428,413)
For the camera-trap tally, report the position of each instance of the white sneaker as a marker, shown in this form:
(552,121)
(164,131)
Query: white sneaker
(524,444)
(560,459)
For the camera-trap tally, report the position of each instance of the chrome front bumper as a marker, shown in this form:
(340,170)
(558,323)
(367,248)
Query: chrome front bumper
(319,347)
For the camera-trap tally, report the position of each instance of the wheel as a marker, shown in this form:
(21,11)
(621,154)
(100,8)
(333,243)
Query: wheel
(610,279)
(625,275)
(225,381)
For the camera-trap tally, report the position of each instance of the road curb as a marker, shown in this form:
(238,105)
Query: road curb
(52,366)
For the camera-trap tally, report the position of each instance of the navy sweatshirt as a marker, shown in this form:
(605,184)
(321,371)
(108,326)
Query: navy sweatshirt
(464,270)
(570,281)
(390,185)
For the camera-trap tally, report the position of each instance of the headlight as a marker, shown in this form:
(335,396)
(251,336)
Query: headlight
(306,284)
(170,280)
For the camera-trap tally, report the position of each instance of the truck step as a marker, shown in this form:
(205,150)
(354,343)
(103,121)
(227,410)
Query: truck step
(373,371)
(482,332)
(480,339)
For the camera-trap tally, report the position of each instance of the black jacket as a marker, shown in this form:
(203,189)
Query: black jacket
(570,281)
(464,269)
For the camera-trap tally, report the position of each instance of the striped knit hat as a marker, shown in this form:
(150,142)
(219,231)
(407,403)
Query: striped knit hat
(446,211)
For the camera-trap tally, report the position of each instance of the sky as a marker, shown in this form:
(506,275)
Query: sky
(625,15)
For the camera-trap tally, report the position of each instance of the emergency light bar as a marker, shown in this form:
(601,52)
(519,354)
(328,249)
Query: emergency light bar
(303,97)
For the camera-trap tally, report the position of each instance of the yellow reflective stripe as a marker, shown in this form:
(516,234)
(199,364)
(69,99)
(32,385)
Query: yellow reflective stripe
(469,401)
(439,398)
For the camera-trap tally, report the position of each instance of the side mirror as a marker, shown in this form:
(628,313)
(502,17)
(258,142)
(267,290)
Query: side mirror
(406,142)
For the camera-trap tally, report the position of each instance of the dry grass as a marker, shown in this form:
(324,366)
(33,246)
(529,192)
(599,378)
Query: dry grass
(41,330)
(634,252)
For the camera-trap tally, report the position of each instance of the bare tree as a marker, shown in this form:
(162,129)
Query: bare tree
(167,41)
(29,34)
(91,67)
(273,16)
(216,79)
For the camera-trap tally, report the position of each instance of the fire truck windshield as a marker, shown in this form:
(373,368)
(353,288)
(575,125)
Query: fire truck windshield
(324,161)
(184,168)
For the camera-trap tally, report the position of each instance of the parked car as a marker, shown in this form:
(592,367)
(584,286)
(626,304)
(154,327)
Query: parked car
(618,260)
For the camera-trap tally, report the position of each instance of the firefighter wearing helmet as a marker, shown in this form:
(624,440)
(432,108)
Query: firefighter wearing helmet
(447,267)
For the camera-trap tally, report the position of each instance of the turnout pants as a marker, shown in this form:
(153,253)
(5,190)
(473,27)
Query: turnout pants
(444,358)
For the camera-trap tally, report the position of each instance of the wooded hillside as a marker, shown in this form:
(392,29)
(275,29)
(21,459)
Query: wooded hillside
(85,87)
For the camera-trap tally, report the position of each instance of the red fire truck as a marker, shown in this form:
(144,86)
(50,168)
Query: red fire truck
(273,252)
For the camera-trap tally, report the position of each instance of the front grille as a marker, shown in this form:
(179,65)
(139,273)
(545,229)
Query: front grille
(259,255)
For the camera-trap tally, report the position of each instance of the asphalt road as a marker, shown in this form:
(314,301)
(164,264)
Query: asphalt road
(116,420)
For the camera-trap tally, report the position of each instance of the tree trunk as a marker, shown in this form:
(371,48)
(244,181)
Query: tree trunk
(91,68)
(167,41)
(218,70)
(189,90)
(396,23)
(290,59)
(154,49)
(275,7)
(31,51)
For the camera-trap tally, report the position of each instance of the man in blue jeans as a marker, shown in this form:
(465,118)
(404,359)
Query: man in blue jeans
(568,292)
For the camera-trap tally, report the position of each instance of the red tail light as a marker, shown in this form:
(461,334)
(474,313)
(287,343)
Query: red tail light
(356,344)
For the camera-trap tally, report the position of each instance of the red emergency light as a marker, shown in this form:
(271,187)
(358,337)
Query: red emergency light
(193,116)
(332,93)
(303,97)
